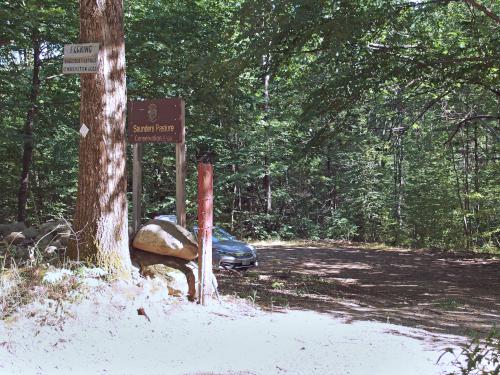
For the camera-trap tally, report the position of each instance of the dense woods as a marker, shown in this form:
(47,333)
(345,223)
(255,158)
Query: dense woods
(366,120)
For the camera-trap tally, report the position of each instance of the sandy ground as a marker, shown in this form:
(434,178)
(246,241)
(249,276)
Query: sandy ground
(102,333)
(308,309)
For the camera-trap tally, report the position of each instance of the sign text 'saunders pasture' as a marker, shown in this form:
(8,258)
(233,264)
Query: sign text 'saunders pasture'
(156,121)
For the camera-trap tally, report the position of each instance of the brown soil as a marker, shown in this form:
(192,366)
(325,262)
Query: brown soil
(436,291)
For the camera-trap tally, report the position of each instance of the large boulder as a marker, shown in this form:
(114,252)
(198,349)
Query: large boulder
(51,231)
(166,238)
(174,279)
(53,227)
(15,238)
(167,268)
(6,229)
(30,232)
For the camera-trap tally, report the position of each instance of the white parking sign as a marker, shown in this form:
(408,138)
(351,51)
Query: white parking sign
(80,58)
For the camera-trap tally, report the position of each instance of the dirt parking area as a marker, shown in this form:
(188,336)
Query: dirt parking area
(327,310)
(436,291)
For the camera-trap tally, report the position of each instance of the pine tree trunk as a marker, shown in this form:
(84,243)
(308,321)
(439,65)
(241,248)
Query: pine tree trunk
(266,66)
(477,215)
(398,185)
(101,210)
(22,196)
(234,201)
(267,186)
(466,156)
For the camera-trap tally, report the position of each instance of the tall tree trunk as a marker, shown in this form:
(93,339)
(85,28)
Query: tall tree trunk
(266,76)
(332,173)
(101,209)
(466,155)
(267,185)
(22,196)
(477,185)
(234,200)
(398,183)
(458,188)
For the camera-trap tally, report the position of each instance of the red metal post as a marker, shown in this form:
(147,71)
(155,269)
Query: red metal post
(205,223)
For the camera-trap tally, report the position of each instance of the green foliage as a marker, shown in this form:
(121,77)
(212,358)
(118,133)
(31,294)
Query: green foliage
(339,227)
(381,125)
(53,175)
(478,357)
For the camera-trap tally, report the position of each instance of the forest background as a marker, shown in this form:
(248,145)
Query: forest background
(359,120)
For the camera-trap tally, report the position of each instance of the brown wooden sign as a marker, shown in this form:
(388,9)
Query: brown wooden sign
(156,121)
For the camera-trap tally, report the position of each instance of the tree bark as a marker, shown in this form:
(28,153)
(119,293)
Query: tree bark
(266,76)
(101,220)
(398,184)
(466,156)
(22,196)
(205,224)
(234,201)
(477,205)
(267,185)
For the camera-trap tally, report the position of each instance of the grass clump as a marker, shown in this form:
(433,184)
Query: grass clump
(477,357)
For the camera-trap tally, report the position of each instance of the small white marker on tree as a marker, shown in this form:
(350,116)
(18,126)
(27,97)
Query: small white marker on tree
(84,130)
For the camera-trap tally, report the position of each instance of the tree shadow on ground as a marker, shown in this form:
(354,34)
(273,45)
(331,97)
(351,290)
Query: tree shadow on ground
(438,292)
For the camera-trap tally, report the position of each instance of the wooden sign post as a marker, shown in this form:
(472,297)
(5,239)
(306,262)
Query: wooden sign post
(180,174)
(136,186)
(205,224)
(158,121)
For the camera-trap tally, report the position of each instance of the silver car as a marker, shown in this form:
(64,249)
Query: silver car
(229,253)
